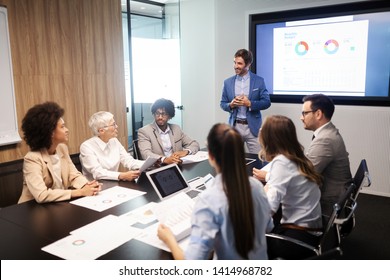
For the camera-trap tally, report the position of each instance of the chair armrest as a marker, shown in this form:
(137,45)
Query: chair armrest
(351,209)
(293,240)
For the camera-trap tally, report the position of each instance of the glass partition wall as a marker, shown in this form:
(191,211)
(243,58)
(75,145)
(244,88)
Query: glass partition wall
(152,59)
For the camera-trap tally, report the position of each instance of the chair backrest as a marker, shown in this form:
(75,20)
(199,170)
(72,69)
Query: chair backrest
(346,220)
(136,152)
(361,178)
(11,182)
(329,245)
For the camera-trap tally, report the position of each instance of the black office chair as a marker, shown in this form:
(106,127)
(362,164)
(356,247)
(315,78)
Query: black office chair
(346,222)
(362,178)
(135,150)
(329,239)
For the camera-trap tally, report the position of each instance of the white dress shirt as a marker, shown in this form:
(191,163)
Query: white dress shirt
(167,145)
(242,88)
(56,163)
(315,133)
(166,141)
(101,160)
(299,197)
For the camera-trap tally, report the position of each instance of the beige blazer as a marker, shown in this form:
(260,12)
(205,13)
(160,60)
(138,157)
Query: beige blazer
(150,144)
(39,182)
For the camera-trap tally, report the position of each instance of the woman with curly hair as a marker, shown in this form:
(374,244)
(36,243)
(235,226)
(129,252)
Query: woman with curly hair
(48,171)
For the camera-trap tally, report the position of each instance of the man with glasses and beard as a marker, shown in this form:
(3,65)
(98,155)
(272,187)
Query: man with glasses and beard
(163,140)
(327,150)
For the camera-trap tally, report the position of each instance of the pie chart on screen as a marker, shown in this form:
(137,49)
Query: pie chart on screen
(301,48)
(331,46)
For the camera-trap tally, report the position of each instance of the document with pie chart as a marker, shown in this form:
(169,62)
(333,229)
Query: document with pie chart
(108,198)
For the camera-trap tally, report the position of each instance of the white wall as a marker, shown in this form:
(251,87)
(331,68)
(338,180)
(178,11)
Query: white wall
(211,32)
(198,67)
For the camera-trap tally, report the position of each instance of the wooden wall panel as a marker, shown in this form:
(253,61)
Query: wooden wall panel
(70,52)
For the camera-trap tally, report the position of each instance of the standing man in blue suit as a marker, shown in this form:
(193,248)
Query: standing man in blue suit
(243,96)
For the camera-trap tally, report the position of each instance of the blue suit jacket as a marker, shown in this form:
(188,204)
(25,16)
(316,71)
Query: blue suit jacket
(258,95)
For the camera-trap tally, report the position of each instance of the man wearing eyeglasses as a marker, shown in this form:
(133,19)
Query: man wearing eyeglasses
(163,140)
(327,150)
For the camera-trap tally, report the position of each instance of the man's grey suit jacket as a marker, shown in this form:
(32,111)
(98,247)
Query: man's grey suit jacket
(329,156)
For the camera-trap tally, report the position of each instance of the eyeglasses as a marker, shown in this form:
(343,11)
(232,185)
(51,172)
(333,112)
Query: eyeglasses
(304,113)
(162,114)
(114,125)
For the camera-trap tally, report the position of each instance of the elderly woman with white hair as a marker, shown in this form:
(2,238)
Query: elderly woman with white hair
(102,154)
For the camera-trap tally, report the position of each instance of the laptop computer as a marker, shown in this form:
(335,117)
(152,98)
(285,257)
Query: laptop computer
(169,181)
(175,208)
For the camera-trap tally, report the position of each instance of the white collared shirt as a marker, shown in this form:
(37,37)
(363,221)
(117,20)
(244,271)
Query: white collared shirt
(315,133)
(101,160)
(242,88)
(299,197)
(56,163)
(166,141)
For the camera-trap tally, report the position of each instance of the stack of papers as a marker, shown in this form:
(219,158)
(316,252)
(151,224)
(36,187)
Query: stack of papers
(198,157)
(93,240)
(175,212)
(104,235)
(143,215)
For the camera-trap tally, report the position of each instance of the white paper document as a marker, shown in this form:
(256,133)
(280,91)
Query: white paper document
(93,240)
(176,213)
(208,180)
(201,183)
(148,163)
(143,215)
(108,198)
(149,236)
(198,157)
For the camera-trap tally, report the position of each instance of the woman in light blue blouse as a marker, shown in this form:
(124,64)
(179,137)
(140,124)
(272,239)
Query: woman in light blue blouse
(231,217)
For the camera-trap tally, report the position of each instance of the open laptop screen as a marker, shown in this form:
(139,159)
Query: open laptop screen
(167,180)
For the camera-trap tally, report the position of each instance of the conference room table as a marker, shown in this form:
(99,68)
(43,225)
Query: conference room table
(27,227)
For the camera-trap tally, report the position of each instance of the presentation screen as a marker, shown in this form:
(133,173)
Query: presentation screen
(342,51)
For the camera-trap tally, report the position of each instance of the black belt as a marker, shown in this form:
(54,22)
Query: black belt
(240,121)
(293,226)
